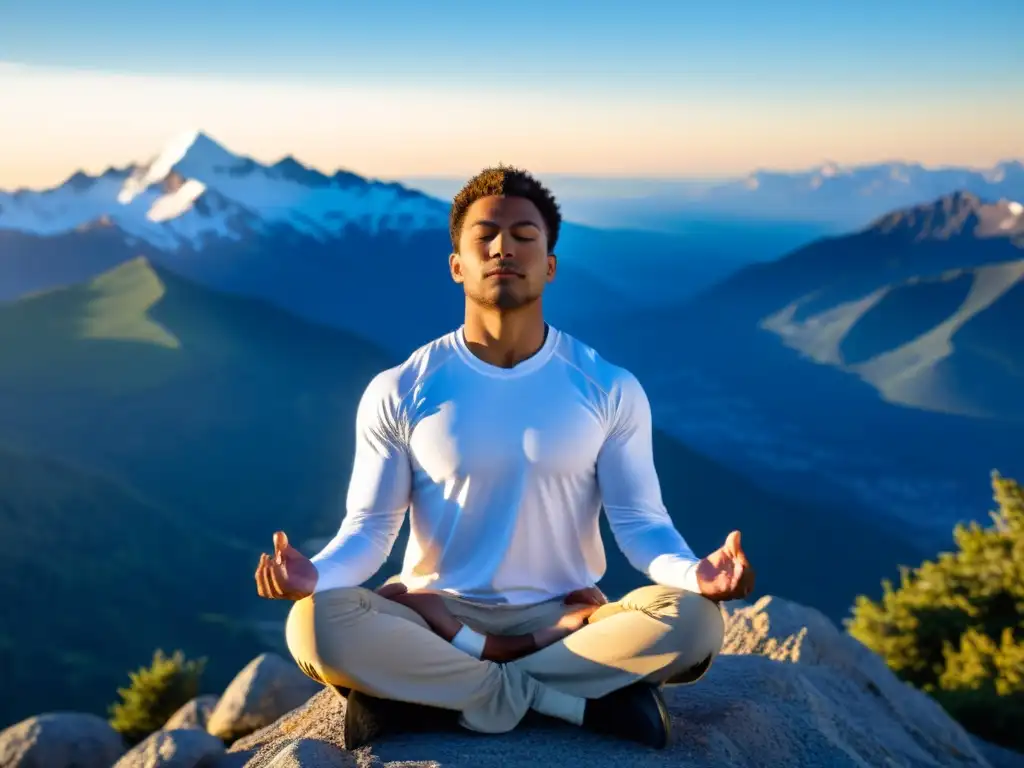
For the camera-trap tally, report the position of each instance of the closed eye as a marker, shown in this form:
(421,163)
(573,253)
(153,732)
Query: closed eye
(490,236)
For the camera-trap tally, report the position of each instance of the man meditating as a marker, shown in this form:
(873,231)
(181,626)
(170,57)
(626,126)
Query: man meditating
(504,438)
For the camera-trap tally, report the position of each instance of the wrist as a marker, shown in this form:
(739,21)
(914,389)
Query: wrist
(503,648)
(470,641)
(546,636)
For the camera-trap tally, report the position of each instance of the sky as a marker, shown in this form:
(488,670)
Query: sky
(405,88)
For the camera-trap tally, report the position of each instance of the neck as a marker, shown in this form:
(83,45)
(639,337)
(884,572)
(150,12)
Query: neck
(504,339)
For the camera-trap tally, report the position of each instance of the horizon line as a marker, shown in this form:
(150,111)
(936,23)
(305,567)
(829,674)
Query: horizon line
(596,176)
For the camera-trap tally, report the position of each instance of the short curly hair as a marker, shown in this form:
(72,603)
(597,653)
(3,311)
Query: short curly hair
(507,181)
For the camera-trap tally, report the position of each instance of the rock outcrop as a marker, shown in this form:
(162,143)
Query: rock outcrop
(788,689)
(60,740)
(182,748)
(268,687)
(194,714)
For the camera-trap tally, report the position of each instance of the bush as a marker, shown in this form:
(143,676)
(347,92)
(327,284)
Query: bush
(955,627)
(155,694)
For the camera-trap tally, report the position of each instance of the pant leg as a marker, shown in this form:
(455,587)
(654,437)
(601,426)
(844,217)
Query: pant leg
(354,638)
(654,633)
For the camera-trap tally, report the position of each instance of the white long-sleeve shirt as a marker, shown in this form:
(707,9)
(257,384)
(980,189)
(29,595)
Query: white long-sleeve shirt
(505,472)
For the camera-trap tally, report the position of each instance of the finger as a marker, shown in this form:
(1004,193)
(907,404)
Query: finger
(256,574)
(262,578)
(737,577)
(748,581)
(733,544)
(393,589)
(278,580)
(280,542)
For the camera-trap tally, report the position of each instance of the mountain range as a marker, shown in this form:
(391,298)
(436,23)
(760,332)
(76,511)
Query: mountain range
(156,432)
(183,343)
(227,222)
(767,213)
(884,365)
(851,195)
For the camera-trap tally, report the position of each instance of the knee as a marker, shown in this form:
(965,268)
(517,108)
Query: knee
(709,623)
(304,628)
(696,622)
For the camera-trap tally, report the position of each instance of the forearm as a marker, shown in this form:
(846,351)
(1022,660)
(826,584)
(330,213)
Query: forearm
(496,648)
(357,552)
(655,548)
(631,495)
(676,571)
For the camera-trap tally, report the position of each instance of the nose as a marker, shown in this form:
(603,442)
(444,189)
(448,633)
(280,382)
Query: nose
(501,245)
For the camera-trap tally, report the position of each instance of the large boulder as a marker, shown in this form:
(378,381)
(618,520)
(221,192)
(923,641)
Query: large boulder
(268,687)
(60,740)
(193,714)
(788,689)
(788,632)
(183,748)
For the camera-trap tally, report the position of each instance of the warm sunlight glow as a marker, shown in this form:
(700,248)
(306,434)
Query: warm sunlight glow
(68,120)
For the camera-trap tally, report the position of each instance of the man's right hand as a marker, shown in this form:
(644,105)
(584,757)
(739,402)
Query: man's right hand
(287,574)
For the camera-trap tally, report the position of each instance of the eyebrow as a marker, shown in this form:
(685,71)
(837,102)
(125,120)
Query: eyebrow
(522,223)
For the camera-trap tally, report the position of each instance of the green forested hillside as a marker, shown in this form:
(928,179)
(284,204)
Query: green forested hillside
(225,417)
(95,577)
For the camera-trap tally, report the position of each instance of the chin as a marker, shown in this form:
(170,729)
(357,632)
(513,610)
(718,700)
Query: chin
(504,298)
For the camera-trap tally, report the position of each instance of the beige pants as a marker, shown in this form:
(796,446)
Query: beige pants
(354,638)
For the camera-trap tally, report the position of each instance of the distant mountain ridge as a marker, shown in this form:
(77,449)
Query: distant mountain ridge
(885,365)
(366,256)
(960,214)
(925,304)
(195,192)
(851,194)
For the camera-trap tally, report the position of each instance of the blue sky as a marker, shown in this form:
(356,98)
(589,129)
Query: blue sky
(779,83)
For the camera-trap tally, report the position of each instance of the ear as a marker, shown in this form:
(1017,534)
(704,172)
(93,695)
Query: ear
(455,267)
(552,266)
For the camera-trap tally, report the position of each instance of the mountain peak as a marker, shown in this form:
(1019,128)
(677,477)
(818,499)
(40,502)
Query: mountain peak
(291,169)
(958,214)
(133,275)
(192,154)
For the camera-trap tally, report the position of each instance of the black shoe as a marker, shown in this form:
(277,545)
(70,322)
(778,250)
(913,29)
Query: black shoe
(637,713)
(368,718)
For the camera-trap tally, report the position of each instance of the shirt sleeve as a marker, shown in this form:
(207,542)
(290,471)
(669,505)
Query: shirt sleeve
(631,493)
(379,491)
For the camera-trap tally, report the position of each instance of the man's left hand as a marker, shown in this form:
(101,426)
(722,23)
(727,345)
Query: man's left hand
(429,605)
(726,574)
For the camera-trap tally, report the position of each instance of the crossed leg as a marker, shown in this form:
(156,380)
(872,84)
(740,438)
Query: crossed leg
(354,638)
(654,633)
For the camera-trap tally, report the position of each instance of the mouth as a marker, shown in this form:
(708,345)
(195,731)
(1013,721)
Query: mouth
(503,272)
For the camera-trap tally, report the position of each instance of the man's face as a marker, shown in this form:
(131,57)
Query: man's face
(503,258)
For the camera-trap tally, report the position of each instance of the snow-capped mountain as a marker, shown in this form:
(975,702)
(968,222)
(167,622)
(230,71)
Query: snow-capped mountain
(195,191)
(850,195)
(364,255)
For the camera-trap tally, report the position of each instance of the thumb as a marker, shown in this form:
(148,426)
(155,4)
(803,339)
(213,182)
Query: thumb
(280,544)
(733,545)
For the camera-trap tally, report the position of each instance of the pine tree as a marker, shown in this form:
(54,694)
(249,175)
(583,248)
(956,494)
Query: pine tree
(155,694)
(955,627)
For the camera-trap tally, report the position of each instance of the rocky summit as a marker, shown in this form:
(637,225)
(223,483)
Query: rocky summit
(789,689)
